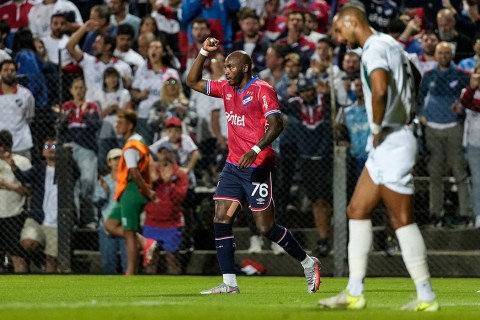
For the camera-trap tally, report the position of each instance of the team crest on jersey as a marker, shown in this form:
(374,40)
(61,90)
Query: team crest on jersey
(246,101)
(19,102)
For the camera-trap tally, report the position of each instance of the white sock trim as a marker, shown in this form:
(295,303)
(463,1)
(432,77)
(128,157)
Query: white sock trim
(230,279)
(359,245)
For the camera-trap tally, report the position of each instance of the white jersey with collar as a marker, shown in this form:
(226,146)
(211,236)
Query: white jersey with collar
(381,51)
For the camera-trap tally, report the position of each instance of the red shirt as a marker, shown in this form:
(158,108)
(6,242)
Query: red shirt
(273,28)
(167,211)
(15,16)
(318,7)
(75,118)
(247,111)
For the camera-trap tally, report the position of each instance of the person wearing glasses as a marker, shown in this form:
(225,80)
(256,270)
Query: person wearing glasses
(40,229)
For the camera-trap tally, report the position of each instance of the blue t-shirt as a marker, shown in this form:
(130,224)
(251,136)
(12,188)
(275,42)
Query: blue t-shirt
(356,120)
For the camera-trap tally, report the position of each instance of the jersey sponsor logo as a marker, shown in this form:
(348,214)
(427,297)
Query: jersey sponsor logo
(265,103)
(235,119)
(246,101)
(229,96)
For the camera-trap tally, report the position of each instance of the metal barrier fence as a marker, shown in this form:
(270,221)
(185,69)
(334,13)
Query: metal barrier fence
(315,178)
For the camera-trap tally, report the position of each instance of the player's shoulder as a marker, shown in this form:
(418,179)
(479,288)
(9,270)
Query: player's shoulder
(260,85)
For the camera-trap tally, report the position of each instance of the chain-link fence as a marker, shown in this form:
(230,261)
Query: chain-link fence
(53,206)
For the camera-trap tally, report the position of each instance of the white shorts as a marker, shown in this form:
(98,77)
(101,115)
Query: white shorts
(46,236)
(391,163)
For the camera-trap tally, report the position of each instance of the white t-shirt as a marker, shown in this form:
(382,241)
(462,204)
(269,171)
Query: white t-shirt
(131,57)
(147,79)
(40,15)
(18,110)
(52,45)
(11,202)
(381,51)
(103,99)
(50,199)
(93,69)
(131,155)
(4,55)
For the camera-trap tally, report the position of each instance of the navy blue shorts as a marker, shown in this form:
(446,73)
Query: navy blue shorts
(252,185)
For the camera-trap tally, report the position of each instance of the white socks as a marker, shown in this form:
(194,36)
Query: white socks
(414,255)
(230,279)
(307,262)
(359,244)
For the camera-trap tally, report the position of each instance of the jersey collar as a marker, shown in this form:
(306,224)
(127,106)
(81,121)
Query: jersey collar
(248,84)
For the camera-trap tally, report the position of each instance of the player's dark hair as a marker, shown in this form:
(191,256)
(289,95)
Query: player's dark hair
(129,115)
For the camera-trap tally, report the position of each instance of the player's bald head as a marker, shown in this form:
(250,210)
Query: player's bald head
(240,58)
(353,10)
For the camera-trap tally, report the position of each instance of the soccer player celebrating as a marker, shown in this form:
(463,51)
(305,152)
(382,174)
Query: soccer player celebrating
(254,122)
(389,91)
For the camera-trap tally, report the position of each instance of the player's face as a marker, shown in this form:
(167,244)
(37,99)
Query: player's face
(233,72)
(343,32)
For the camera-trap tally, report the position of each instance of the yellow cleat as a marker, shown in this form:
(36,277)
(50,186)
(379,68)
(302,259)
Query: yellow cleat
(344,301)
(419,305)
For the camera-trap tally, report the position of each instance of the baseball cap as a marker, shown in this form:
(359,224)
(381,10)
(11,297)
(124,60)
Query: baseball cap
(165,145)
(113,153)
(305,84)
(170,75)
(173,122)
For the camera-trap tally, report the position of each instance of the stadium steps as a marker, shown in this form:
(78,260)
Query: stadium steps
(451,253)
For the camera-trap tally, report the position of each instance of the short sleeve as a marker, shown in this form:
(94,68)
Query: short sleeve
(268,100)
(215,88)
(376,58)
(131,156)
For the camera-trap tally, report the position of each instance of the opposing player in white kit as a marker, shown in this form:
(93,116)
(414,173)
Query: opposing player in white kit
(389,88)
(254,122)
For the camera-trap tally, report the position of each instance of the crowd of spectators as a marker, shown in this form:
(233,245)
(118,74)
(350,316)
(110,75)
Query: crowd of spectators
(67,67)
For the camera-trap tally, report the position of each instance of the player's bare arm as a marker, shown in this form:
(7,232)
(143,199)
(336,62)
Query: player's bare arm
(194,78)
(379,83)
(138,179)
(275,127)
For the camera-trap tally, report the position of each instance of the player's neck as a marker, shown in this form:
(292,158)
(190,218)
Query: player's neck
(245,81)
(364,35)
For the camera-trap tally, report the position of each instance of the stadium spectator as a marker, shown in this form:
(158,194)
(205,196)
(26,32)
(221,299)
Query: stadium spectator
(173,102)
(40,15)
(443,116)
(429,41)
(217,12)
(12,200)
(124,51)
(462,45)
(252,41)
(30,65)
(273,24)
(57,40)
(380,13)
(112,98)
(320,8)
(149,25)
(470,63)
(132,192)
(200,32)
(15,13)
(147,85)
(389,100)
(296,40)
(164,219)
(275,63)
(5,52)
(143,42)
(287,86)
(404,33)
(18,109)
(314,149)
(40,229)
(120,15)
(112,249)
(101,15)
(94,67)
(246,174)
(470,99)
(166,14)
(311,27)
(187,150)
(83,122)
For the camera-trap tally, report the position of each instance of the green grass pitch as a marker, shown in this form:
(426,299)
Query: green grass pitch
(176,297)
